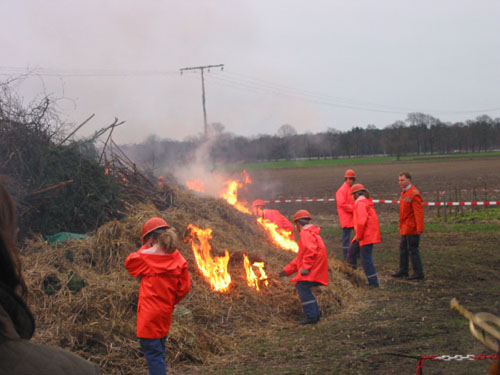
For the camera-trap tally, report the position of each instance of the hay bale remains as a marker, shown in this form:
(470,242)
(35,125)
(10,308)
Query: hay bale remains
(98,320)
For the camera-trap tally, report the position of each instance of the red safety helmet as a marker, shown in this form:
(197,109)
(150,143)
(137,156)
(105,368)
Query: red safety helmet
(357,187)
(349,173)
(301,214)
(258,202)
(153,224)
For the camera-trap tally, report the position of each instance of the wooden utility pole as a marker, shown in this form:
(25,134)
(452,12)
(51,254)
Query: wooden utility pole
(202,68)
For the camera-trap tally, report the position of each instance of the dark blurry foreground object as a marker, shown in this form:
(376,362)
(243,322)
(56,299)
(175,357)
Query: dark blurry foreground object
(17,355)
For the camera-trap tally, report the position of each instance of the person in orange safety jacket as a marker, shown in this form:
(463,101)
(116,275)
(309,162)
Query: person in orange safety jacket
(367,233)
(345,205)
(164,281)
(311,265)
(274,216)
(411,227)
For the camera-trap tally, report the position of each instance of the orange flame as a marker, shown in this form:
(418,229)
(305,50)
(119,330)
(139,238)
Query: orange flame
(252,279)
(214,269)
(280,237)
(231,192)
(231,195)
(196,185)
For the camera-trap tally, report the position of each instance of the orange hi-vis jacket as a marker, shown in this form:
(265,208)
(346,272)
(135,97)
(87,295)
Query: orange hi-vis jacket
(164,282)
(311,256)
(274,216)
(366,223)
(345,205)
(411,212)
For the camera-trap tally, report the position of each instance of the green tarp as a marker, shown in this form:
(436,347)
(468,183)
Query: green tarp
(63,236)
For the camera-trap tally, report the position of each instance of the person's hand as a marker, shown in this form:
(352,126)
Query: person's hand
(282,274)
(304,272)
(354,240)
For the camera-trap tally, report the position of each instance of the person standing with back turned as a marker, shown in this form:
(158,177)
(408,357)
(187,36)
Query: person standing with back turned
(411,227)
(345,206)
(165,281)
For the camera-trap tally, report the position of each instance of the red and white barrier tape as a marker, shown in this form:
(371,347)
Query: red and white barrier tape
(485,203)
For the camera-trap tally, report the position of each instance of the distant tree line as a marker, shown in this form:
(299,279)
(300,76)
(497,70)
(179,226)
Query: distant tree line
(418,134)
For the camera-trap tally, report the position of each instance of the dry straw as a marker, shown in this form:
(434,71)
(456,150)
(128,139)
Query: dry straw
(98,320)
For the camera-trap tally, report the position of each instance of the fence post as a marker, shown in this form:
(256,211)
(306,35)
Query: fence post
(474,198)
(438,207)
(445,208)
(456,200)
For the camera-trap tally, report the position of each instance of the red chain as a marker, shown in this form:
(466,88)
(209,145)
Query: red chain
(485,356)
(421,361)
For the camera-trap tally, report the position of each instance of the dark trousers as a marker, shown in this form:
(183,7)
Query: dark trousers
(346,241)
(365,253)
(309,303)
(154,352)
(408,250)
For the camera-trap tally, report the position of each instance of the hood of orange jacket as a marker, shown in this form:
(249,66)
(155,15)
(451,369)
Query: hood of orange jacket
(164,282)
(366,223)
(311,256)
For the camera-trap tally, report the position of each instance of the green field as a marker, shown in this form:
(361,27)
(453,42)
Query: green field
(351,161)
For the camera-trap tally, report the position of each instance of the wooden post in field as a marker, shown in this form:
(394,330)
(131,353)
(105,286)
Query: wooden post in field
(445,207)
(438,207)
(474,198)
(460,199)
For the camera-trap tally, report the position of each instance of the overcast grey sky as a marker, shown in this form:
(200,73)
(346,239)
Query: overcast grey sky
(311,64)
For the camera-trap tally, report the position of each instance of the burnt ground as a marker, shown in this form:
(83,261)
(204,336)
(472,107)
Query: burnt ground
(403,317)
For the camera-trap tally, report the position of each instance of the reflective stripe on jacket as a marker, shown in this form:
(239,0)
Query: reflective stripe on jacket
(411,212)
(366,223)
(345,205)
(274,216)
(311,256)
(164,282)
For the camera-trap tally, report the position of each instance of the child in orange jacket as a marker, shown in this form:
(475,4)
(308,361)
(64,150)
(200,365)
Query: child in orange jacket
(165,281)
(367,233)
(311,265)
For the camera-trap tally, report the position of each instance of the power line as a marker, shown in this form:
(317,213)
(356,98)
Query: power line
(57,72)
(202,69)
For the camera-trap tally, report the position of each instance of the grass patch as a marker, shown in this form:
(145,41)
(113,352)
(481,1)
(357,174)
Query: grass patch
(351,161)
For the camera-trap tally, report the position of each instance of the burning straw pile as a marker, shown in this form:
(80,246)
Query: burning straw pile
(85,301)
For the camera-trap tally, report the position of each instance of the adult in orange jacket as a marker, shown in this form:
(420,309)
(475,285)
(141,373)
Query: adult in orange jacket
(311,265)
(367,233)
(345,206)
(165,281)
(411,226)
(274,216)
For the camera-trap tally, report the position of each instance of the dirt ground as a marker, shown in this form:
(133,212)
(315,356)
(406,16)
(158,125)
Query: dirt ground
(403,317)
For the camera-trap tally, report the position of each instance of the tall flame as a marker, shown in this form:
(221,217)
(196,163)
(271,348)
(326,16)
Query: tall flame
(280,237)
(252,279)
(231,192)
(214,269)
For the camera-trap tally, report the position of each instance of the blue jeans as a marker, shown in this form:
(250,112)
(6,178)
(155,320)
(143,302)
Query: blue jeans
(346,241)
(365,252)
(154,351)
(309,303)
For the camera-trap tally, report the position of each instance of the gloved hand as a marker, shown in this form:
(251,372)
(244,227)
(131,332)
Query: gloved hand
(282,274)
(354,240)
(304,272)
